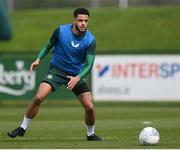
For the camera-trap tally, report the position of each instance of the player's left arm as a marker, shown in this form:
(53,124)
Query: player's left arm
(90,56)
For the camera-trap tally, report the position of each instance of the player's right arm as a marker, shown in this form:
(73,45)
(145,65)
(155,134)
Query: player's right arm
(45,50)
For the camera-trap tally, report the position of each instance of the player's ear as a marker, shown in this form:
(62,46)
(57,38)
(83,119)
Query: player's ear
(74,20)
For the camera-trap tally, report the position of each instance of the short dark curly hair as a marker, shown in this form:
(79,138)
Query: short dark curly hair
(82,11)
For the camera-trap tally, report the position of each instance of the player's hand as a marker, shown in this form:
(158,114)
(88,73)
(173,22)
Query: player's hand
(73,81)
(34,64)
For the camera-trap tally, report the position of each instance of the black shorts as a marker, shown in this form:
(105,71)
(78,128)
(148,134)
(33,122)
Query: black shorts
(56,77)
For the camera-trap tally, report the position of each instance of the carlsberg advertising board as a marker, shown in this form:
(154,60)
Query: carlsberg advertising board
(16,81)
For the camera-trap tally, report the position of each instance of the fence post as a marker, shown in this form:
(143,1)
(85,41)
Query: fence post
(123,4)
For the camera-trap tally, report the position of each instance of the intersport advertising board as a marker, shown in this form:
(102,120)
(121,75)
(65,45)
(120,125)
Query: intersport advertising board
(136,77)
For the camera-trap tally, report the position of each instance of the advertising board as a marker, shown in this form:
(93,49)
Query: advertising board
(136,77)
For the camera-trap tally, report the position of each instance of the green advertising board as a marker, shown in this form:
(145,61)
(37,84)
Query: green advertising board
(16,82)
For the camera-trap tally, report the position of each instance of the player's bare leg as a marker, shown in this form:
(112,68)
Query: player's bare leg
(87,102)
(43,91)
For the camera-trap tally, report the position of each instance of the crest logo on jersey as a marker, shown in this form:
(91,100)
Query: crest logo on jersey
(74,45)
(49,76)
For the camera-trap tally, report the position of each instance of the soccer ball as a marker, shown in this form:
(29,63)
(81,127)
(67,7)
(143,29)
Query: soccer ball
(149,136)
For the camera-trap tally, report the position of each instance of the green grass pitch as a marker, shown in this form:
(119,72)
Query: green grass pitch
(60,124)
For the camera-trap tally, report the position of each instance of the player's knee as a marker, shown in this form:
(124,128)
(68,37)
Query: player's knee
(38,99)
(89,108)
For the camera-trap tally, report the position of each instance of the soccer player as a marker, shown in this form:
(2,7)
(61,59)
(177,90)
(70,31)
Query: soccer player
(72,59)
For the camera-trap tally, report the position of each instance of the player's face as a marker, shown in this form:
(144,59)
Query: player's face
(81,23)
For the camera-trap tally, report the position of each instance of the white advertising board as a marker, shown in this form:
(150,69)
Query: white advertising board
(136,77)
